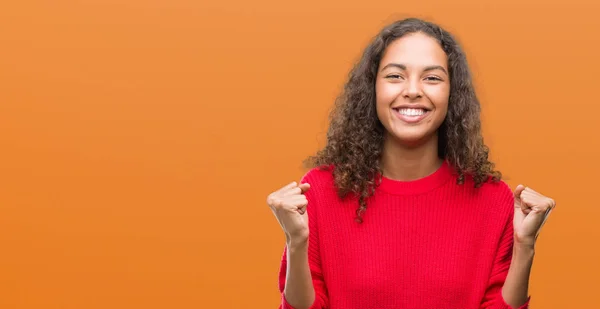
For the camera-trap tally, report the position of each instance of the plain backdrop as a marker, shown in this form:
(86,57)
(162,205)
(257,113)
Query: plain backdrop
(140,139)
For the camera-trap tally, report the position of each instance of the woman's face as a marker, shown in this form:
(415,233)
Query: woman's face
(412,88)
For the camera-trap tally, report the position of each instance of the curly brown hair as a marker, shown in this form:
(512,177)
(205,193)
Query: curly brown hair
(355,136)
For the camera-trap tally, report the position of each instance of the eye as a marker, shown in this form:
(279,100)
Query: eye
(394,76)
(433,78)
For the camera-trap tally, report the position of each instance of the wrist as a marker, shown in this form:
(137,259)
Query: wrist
(524,249)
(295,244)
(524,242)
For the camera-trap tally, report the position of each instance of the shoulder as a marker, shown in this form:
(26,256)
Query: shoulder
(497,188)
(321,176)
(490,187)
(496,194)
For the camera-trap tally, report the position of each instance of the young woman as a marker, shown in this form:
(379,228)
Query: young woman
(402,208)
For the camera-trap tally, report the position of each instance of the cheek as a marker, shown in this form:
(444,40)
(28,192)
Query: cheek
(385,95)
(439,98)
(383,99)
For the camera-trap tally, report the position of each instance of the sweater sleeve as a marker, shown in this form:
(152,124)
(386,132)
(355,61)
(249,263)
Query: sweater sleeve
(493,298)
(314,257)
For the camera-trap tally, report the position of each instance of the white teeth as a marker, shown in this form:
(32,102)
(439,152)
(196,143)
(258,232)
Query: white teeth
(411,111)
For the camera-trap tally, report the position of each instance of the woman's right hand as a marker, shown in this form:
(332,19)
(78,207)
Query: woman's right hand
(289,206)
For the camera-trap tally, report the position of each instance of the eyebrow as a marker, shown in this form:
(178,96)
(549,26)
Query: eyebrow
(403,67)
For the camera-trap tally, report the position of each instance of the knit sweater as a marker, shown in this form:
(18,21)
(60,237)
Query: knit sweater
(424,244)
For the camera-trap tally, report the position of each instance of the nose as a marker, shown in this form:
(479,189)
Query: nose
(413,89)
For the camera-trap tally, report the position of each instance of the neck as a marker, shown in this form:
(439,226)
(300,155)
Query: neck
(406,163)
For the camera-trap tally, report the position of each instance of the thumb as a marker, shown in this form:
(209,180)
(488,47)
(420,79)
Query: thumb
(518,190)
(518,217)
(304,187)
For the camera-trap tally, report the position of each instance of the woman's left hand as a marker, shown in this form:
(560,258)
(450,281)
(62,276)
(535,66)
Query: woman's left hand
(531,211)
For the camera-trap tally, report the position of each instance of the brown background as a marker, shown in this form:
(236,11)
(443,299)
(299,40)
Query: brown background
(139,139)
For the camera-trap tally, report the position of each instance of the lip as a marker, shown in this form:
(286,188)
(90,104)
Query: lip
(417,106)
(410,119)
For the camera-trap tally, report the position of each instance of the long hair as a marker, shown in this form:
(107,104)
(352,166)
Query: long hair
(355,136)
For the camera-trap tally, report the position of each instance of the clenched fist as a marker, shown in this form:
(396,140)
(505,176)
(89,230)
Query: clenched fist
(531,211)
(289,206)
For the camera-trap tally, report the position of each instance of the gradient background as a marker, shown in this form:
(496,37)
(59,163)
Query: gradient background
(139,139)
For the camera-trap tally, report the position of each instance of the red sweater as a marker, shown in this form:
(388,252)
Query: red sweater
(423,244)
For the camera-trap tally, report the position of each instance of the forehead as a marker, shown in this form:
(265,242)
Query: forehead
(416,49)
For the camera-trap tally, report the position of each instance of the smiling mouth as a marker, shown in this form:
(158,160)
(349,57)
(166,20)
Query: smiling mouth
(414,112)
(411,115)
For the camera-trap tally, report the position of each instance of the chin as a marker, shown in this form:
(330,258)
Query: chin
(411,139)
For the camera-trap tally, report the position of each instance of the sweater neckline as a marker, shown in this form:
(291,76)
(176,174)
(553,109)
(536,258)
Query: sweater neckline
(418,186)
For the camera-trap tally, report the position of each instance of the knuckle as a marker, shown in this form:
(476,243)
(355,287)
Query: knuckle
(277,203)
(545,207)
(272,199)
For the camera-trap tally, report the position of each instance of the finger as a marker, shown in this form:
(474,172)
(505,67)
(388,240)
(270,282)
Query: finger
(303,211)
(297,200)
(518,190)
(535,201)
(304,187)
(292,191)
(530,200)
(289,186)
(546,215)
(538,216)
(530,193)
(302,208)
(293,203)
(300,189)
(524,204)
